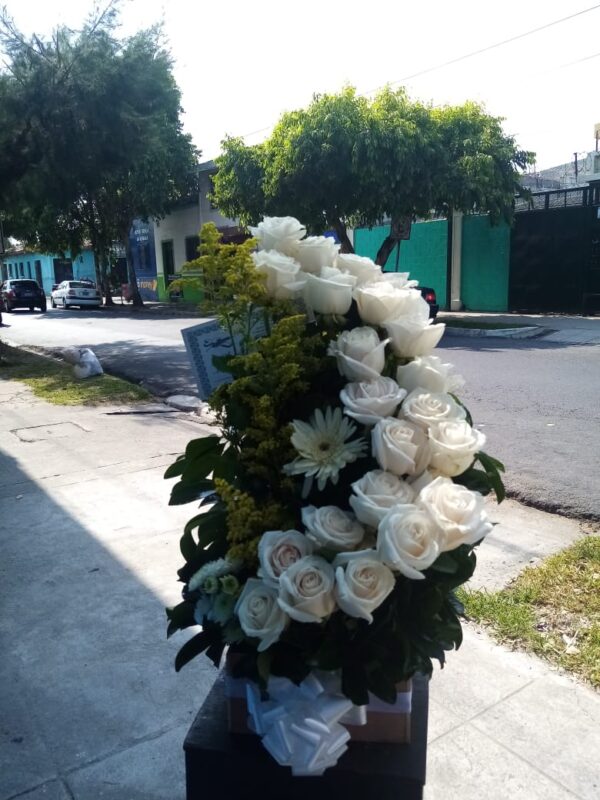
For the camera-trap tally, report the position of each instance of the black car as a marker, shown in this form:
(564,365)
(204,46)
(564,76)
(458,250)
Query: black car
(428,294)
(22,293)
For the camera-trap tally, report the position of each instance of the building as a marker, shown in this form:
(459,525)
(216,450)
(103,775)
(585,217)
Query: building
(48,269)
(176,235)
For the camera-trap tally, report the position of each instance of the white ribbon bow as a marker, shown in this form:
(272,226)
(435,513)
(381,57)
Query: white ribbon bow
(300,725)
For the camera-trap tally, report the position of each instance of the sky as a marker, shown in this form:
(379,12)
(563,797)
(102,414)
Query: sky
(240,65)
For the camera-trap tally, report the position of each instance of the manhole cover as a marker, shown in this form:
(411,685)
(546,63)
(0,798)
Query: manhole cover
(58,430)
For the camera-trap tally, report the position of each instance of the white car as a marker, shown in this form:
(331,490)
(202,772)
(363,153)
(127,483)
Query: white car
(75,293)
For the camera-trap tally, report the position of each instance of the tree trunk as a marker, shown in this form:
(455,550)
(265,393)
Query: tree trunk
(398,231)
(134,291)
(108,301)
(342,235)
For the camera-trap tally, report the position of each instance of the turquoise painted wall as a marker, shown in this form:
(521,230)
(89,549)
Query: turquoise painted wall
(23,266)
(485,265)
(423,255)
(485,259)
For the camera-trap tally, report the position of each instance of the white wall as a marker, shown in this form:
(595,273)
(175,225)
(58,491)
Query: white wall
(184,222)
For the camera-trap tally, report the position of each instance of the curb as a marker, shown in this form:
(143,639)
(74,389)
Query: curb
(500,333)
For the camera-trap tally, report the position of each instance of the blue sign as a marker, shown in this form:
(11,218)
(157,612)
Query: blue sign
(143,257)
(204,341)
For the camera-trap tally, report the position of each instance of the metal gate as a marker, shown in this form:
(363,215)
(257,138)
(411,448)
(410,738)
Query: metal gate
(555,253)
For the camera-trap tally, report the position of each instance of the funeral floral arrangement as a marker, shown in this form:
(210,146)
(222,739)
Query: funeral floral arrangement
(342,493)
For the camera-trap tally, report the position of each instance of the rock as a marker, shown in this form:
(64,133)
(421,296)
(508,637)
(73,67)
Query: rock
(184,402)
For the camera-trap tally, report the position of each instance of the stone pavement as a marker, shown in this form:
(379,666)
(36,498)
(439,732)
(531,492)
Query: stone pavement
(90,705)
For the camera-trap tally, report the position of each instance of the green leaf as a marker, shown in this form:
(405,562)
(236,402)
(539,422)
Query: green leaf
(176,468)
(469,418)
(180,616)
(475,479)
(490,461)
(188,545)
(183,493)
(383,685)
(354,682)
(192,648)
(214,652)
(445,563)
(198,448)
(493,468)
(202,557)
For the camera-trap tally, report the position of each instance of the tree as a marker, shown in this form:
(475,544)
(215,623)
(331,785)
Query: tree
(101,119)
(347,161)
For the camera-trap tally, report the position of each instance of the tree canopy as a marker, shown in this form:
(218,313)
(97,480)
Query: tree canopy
(91,136)
(348,161)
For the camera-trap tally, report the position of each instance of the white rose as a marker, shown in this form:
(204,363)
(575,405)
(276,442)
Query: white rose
(260,613)
(428,408)
(453,446)
(315,252)
(408,540)
(376,492)
(278,550)
(332,528)
(381,301)
(413,337)
(328,295)
(283,276)
(458,511)
(279,233)
(429,372)
(399,280)
(359,353)
(369,401)
(400,446)
(363,269)
(306,590)
(362,583)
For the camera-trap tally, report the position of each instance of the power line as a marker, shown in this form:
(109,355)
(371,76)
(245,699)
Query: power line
(489,47)
(471,55)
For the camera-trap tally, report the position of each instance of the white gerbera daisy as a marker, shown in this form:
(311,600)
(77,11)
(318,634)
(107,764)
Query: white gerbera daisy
(322,447)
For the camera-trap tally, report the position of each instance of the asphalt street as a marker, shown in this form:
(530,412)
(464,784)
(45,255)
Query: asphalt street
(538,401)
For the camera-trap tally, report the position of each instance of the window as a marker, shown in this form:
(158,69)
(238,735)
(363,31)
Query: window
(191,247)
(38,272)
(168,259)
(29,275)
(21,269)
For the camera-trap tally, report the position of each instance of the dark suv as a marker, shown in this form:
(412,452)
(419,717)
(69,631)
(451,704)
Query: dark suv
(22,293)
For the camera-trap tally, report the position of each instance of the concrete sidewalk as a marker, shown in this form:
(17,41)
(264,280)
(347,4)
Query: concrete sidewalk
(90,705)
(557,328)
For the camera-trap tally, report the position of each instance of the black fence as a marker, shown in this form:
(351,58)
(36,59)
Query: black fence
(555,252)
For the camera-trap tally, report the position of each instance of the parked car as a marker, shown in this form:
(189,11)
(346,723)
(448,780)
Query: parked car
(428,294)
(76,293)
(22,293)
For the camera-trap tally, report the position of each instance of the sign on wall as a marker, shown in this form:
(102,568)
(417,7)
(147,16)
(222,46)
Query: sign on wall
(143,256)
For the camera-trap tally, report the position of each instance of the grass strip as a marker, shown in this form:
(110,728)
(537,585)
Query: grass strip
(55,382)
(552,610)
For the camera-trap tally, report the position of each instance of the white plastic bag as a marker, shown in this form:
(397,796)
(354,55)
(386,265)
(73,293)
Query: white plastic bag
(88,365)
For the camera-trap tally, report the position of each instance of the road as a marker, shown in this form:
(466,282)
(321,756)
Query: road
(142,346)
(537,400)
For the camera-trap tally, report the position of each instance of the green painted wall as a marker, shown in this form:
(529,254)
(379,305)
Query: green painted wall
(485,265)
(423,255)
(191,294)
(485,259)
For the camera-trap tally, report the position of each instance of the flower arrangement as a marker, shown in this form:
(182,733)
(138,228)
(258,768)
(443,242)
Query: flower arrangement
(342,496)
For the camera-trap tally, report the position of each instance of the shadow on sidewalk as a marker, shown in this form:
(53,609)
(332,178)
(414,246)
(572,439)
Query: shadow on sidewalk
(89,698)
